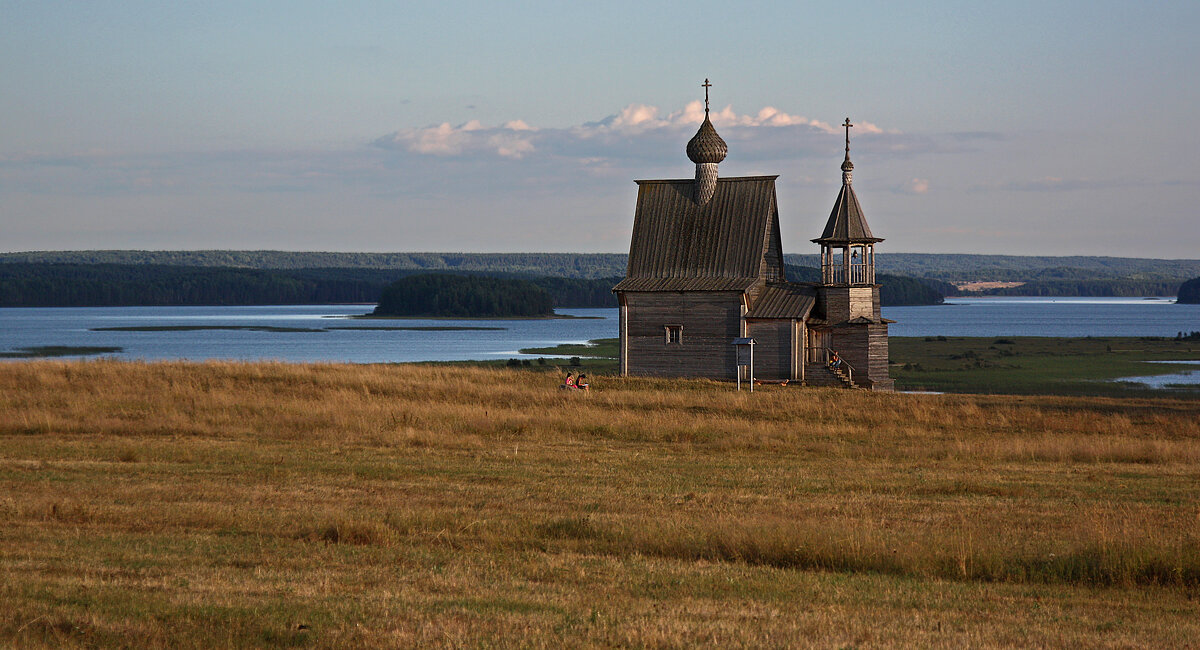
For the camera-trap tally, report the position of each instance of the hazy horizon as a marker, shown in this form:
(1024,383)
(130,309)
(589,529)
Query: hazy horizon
(1020,129)
(528,252)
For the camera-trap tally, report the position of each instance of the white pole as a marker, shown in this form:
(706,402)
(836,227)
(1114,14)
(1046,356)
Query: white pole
(751,367)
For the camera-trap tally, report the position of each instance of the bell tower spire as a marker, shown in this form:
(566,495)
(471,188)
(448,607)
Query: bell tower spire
(847,166)
(706,149)
(847,245)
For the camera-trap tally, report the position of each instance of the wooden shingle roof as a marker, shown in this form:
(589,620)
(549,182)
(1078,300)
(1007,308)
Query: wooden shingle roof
(846,224)
(678,245)
(784,300)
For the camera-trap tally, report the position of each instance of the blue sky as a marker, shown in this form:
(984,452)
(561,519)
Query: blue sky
(1019,128)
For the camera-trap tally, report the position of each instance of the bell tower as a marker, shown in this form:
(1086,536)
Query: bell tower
(848,294)
(848,254)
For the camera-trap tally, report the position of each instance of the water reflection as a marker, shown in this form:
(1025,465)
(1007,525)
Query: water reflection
(1183,378)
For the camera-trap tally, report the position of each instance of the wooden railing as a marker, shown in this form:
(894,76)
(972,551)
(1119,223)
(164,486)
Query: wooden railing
(859,274)
(827,353)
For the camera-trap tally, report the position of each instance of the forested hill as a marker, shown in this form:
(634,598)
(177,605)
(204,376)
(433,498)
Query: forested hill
(97,285)
(894,290)
(469,296)
(83,278)
(946,267)
(103,285)
(565,265)
(1189,292)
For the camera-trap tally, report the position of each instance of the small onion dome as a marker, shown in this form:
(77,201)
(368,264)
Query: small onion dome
(847,166)
(706,146)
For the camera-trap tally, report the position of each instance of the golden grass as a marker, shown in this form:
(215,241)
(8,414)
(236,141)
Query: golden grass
(252,504)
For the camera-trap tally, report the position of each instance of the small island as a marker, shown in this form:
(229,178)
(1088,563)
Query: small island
(1189,292)
(464,296)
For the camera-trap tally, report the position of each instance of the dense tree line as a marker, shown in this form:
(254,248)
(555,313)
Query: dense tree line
(1019,268)
(1117,287)
(1189,292)
(573,292)
(104,285)
(945,267)
(444,294)
(568,265)
(894,290)
(96,285)
(89,285)
(92,285)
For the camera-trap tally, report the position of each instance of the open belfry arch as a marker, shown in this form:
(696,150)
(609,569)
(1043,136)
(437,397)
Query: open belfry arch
(706,267)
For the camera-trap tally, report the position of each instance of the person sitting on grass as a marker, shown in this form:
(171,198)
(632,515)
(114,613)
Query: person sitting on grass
(569,382)
(582,382)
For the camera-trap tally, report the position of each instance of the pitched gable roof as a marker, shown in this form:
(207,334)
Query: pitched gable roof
(846,223)
(718,246)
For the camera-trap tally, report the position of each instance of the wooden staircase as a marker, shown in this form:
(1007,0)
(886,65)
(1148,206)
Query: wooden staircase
(819,374)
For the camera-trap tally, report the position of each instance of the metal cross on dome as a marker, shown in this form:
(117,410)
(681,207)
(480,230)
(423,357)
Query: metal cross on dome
(847,124)
(706,86)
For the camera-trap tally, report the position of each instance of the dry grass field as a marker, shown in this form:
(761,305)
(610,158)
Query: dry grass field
(235,504)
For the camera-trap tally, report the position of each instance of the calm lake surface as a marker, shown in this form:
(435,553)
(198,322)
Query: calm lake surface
(331,340)
(1046,317)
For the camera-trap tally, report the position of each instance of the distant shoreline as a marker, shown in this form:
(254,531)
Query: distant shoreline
(552,317)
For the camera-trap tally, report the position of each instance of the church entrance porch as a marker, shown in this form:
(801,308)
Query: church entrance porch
(819,342)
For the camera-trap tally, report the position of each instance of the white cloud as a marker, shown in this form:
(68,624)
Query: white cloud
(868,127)
(916,186)
(510,145)
(442,140)
(638,132)
(636,116)
(510,141)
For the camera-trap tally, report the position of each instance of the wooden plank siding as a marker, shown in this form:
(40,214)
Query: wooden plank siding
(710,321)
(877,345)
(865,348)
(841,303)
(773,358)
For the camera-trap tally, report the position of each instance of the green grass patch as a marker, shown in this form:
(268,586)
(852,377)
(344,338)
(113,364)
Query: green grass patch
(596,348)
(1038,365)
(47,351)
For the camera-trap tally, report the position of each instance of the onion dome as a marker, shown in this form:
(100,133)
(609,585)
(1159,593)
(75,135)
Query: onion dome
(706,146)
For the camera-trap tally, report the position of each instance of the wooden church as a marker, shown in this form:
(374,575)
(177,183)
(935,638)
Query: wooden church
(706,269)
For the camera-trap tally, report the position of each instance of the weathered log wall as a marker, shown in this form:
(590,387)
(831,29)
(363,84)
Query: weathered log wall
(773,348)
(710,321)
(865,348)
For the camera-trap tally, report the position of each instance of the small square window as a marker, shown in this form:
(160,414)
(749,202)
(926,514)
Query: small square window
(674,333)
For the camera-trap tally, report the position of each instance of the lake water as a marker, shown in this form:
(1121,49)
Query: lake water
(1046,317)
(331,338)
(1187,377)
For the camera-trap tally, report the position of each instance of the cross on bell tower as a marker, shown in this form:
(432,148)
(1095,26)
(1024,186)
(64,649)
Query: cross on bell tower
(847,166)
(847,245)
